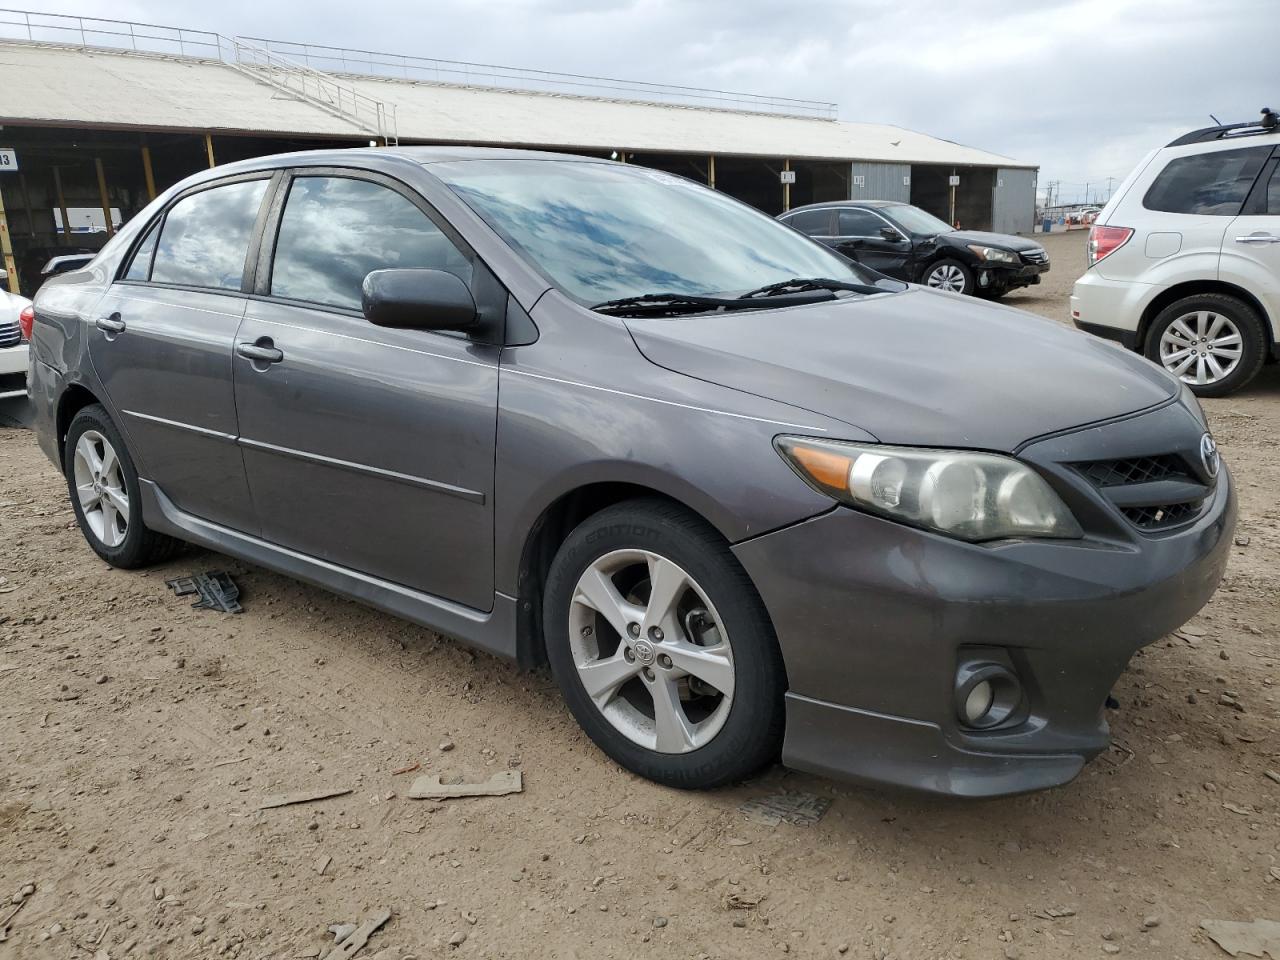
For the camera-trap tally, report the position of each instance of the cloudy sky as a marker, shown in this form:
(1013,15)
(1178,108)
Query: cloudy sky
(1082,87)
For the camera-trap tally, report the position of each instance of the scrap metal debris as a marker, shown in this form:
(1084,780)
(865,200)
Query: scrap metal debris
(1257,938)
(797,809)
(303,796)
(409,769)
(429,787)
(349,945)
(742,901)
(216,590)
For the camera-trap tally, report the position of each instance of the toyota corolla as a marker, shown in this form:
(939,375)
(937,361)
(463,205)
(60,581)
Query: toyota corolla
(747,500)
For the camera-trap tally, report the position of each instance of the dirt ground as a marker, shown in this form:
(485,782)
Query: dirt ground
(138,737)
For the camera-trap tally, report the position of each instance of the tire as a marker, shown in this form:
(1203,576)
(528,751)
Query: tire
(721,740)
(948,274)
(98,495)
(1186,325)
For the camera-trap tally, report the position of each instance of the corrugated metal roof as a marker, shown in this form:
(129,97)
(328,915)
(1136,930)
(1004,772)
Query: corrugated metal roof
(54,84)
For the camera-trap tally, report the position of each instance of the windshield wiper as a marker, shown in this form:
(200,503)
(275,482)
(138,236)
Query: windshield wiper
(659,303)
(801,284)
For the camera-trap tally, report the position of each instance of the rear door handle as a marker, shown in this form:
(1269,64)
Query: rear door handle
(260,352)
(1259,238)
(111,324)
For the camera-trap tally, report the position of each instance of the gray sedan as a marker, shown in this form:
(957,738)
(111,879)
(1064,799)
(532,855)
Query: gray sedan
(744,498)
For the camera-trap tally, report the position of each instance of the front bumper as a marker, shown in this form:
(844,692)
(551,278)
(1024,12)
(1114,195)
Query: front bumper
(873,618)
(13,369)
(1009,277)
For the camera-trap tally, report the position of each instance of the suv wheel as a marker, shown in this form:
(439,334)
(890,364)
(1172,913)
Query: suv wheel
(1211,342)
(949,275)
(105,495)
(662,647)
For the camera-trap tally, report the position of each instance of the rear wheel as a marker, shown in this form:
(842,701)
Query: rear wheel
(662,648)
(105,495)
(951,275)
(1212,342)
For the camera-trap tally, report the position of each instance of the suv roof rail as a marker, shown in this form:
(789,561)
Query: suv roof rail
(1267,124)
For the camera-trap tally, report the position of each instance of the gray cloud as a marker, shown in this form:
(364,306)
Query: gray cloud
(1082,87)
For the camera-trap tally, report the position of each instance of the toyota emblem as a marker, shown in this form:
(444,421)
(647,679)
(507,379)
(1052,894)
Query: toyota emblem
(1209,456)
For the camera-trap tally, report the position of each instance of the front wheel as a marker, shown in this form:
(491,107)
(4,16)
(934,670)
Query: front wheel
(1212,342)
(950,275)
(662,648)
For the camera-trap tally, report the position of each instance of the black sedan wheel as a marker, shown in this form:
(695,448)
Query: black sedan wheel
(951,275)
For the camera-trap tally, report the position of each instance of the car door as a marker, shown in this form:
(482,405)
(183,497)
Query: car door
(1251,244)
(162,342)
(369,447)
(871,240)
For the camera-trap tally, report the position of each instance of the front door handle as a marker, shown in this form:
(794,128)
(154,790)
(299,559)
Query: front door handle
(1259,238)
(111,324)
(261,352)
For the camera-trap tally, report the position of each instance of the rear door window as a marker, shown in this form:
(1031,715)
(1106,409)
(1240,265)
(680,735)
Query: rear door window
(336,230)
(205,237)
(859,223)
(816,223)
(1209,184)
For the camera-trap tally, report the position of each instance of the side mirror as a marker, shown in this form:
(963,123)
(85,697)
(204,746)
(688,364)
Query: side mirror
(888,233)
(418,300)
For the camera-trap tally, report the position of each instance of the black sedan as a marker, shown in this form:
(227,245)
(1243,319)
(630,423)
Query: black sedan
(906,243)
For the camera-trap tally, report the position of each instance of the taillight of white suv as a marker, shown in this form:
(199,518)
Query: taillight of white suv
(26,320)
(1104,241)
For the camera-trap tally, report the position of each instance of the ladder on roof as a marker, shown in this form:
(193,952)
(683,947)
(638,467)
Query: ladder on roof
(374,117)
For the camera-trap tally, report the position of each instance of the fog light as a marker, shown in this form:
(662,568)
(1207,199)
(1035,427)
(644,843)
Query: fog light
(987,694)
(978,704)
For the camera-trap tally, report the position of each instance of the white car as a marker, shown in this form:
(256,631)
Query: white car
(1184,261)
(13,346)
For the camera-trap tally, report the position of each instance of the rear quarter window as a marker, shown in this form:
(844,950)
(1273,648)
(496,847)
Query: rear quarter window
(1209,184)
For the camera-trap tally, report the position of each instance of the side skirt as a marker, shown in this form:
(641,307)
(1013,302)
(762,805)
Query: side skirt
(493,632)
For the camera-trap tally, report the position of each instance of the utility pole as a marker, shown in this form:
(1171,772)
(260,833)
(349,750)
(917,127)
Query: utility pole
(1110,180)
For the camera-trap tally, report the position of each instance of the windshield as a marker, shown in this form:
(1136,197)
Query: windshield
(603,231)
(915,220)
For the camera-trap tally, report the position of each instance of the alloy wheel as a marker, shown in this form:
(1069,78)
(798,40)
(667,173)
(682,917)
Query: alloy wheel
(100,488)
(1201,348)
(650,651)
(947,276)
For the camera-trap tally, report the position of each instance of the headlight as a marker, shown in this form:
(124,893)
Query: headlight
(973,496)
(994,254)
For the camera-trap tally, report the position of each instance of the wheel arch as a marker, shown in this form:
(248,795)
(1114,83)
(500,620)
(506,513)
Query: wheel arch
(1192,288)
(73,399)
(544,539)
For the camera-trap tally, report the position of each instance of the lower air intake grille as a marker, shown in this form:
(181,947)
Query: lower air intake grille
(1156,518)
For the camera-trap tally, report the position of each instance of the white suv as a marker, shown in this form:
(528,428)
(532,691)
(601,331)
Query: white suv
(1184,261)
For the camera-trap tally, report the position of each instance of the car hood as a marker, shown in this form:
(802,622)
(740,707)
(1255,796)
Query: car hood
(11,305)
(1005,241)
(920,367)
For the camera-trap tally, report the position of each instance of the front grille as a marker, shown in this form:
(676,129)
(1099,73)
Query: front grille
(1156,518)
(1035,256)
(10,335)
(1140,486)
(1122,473)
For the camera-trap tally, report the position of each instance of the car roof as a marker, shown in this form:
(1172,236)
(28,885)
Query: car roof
(836,204)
